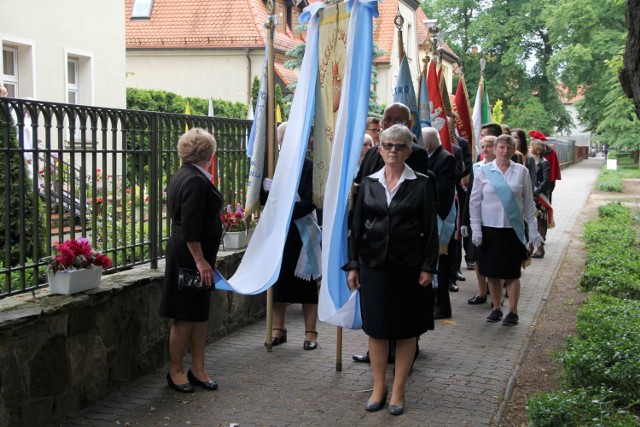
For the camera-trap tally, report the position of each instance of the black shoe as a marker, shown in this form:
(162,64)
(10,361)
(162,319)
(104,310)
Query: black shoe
(361,358)
(471,265)
(207,385)
(181,388)
(511,319)
(308,344)
(396,409)
(453,287)
(459,276)
(279,340)
(376,406)
(495,316)
(439,315)
(477,299)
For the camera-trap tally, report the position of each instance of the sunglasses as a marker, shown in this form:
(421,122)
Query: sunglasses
(399,147)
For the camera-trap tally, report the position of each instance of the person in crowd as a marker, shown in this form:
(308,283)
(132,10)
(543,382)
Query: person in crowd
(367,143)
(393,250)
(454,242)
(395,113)
(552,158)
(487,145)
(501,197)
(520,137)
(518,156)
(443,166)
(540,193)
(290,288)
(194,205)
(506,129)
(487,129)
(605,151)
(373,129)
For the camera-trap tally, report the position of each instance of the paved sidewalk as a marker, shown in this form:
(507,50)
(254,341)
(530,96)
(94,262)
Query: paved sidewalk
(461,377)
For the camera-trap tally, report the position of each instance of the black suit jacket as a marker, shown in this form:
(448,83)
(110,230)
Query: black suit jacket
(403,233)
(194,205)
(443,165)
(543,178)
(466,155)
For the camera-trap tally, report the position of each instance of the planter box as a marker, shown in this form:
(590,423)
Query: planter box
(74,281)
(234,239)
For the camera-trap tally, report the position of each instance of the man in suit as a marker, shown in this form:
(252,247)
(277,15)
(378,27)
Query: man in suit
(443,165)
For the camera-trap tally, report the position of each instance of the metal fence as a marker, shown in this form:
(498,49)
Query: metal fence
(68,171)
(564,149)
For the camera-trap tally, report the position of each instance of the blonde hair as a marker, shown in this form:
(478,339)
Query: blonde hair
(196,145)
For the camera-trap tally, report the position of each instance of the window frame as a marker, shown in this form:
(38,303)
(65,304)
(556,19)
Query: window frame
(141,9)
(11,81)
(73,87)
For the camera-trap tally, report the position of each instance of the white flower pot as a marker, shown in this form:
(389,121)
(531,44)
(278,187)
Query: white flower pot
(74,281)
(234,239)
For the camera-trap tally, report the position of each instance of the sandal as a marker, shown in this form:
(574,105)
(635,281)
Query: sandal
(310,345)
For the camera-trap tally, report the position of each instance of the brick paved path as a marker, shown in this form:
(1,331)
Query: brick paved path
(461,377)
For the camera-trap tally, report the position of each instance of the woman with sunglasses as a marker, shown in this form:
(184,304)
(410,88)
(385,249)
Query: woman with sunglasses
(393,250)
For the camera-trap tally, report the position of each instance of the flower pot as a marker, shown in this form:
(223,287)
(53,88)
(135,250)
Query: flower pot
(234,239)
(73,281)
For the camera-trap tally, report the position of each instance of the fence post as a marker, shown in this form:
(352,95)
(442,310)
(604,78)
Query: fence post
(153,192)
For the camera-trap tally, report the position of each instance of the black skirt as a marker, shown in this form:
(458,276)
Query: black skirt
(393,304)
(290,288)
(177,304)
(501,253)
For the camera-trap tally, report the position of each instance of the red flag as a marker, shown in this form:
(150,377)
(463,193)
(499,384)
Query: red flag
(462,108)
(438,112)
(212,169)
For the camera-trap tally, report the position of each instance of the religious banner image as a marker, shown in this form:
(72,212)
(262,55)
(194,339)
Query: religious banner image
(332,57)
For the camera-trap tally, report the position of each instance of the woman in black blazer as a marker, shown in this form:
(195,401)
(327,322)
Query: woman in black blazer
(194,205)
(393,251)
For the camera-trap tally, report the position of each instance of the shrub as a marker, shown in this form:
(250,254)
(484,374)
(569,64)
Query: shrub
(609,180)
(606,349)
(579,407)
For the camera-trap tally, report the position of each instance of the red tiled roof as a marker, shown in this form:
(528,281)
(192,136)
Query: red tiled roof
(288,76)
(203,24)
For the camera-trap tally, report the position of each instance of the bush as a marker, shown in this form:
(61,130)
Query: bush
(609,180)
(606,349)
(579,407)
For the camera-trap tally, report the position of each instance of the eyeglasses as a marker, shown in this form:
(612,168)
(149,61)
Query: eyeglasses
(399,147)
(376,130)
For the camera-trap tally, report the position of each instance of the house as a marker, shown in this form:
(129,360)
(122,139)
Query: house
(215,48)
(70,52)
(577,133)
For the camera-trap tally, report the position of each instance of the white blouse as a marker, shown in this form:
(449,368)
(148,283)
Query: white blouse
(485,208)
(407,173)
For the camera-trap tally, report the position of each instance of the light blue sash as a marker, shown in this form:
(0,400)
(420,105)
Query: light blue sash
(447,226)
(504,193)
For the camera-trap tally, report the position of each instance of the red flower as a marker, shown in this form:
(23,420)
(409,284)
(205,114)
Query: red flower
(99,200)
(128,191)
(103,261)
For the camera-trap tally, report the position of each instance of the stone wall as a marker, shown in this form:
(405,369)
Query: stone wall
(62,353)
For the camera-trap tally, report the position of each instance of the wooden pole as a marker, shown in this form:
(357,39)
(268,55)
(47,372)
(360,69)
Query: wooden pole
(270,25)
(339,349)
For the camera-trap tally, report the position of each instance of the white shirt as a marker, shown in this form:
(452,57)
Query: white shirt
(407,173)
(485,208)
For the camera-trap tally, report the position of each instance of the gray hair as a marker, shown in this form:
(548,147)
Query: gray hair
(397,133)
(506,138)
(431,137)
(196,145)
(368,138)
(282,127)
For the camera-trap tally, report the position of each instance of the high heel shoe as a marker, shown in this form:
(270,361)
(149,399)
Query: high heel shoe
(279,340)
(396,409)
(207,385)
(308,344)
(182,388)
(376,406)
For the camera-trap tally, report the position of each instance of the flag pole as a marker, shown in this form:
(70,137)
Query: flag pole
(399,21)
(270,26)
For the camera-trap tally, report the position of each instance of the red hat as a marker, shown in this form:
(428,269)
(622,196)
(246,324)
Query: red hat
(536,134)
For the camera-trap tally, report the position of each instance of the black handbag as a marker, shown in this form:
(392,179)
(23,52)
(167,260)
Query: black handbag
(189,280)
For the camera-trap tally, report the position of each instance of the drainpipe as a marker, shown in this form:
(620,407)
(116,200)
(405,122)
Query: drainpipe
(249,81)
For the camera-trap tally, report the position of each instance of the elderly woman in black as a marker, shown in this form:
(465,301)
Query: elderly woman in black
(393,251)
(194,205)
(541,193)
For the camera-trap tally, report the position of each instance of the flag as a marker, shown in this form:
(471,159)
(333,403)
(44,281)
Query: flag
(256,146)
(423,104)
(250,110)
(436,106)
(446,100)
(210,112)
(463,123)
(278,114)
(260,266)
(212,169)
(403,92)
(481,111)
(187,111)
(337,304)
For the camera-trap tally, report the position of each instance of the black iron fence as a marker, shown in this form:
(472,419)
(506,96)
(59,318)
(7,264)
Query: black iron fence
(68,171)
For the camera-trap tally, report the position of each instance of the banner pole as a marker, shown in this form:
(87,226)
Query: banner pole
(270,25)
(338,348)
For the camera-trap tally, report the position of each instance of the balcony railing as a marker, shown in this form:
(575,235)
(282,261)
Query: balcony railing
(68,171)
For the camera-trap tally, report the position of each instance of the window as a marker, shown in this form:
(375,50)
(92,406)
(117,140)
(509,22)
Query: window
(73,80)
(411,39)
(10,70)
(141,9)
(281,17)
